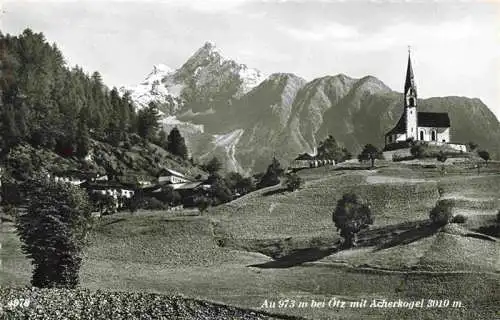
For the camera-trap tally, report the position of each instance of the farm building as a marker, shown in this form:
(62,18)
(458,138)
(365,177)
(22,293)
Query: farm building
(172,177)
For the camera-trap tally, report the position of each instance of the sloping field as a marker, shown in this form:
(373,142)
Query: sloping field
(308,211)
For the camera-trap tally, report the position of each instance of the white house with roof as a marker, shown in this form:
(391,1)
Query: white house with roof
(172,177)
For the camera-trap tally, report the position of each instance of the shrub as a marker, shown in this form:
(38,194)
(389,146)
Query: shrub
(417,151)
(135,203)
(169,196)
(203,203)
(459,219)
(104,203)
(350,216)
(54,231)
(484,155)
(150,203)
(441,214)
(370,152)
(293,182)
(398,145)
(498,215)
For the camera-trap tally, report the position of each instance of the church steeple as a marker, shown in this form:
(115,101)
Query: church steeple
(410,98)
(410,92)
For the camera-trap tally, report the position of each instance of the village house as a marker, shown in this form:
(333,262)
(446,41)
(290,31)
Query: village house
(171,177)
(429,127)
(118,191)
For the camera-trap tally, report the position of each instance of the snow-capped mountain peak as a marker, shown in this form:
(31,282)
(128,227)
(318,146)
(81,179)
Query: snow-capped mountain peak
(152,88)
(160,71)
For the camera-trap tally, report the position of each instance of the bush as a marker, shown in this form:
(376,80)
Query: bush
(417,151)
(441,214)
(150,203)
(202,203)
(398,145)
(350,216)
(104,203)
(293,182)
(459,219)
(370,152)
(498,215)
(169,196)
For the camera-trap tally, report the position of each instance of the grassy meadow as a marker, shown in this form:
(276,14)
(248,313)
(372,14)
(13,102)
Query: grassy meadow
(219,256)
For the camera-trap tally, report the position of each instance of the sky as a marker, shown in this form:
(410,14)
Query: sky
(455,45)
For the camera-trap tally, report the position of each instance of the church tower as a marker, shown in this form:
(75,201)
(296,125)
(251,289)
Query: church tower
(410,101)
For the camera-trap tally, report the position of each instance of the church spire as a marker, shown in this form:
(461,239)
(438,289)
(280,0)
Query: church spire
(410,79)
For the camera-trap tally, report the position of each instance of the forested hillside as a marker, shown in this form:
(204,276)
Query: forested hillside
(51,110)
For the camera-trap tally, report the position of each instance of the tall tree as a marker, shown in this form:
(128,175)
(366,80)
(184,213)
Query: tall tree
(148,121)
(213,166)
(176,144)
(350,216)
(272,175)
(331,149)
(54,232)
(83,138)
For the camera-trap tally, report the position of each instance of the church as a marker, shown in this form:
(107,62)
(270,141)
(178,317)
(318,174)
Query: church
(431,127)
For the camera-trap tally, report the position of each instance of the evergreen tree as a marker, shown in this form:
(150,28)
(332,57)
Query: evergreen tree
(213,166)
(83,138)
(272,175)
(162,139)
(10,131)
(176,144)
(148,121)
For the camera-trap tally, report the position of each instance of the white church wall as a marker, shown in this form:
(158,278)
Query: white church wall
(440,134)
(443,134)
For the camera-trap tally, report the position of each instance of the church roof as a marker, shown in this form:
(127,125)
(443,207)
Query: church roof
(400,127)
(433,119)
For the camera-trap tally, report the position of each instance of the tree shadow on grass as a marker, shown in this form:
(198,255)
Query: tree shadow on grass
(420,232)
(275,191)
(297,257)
